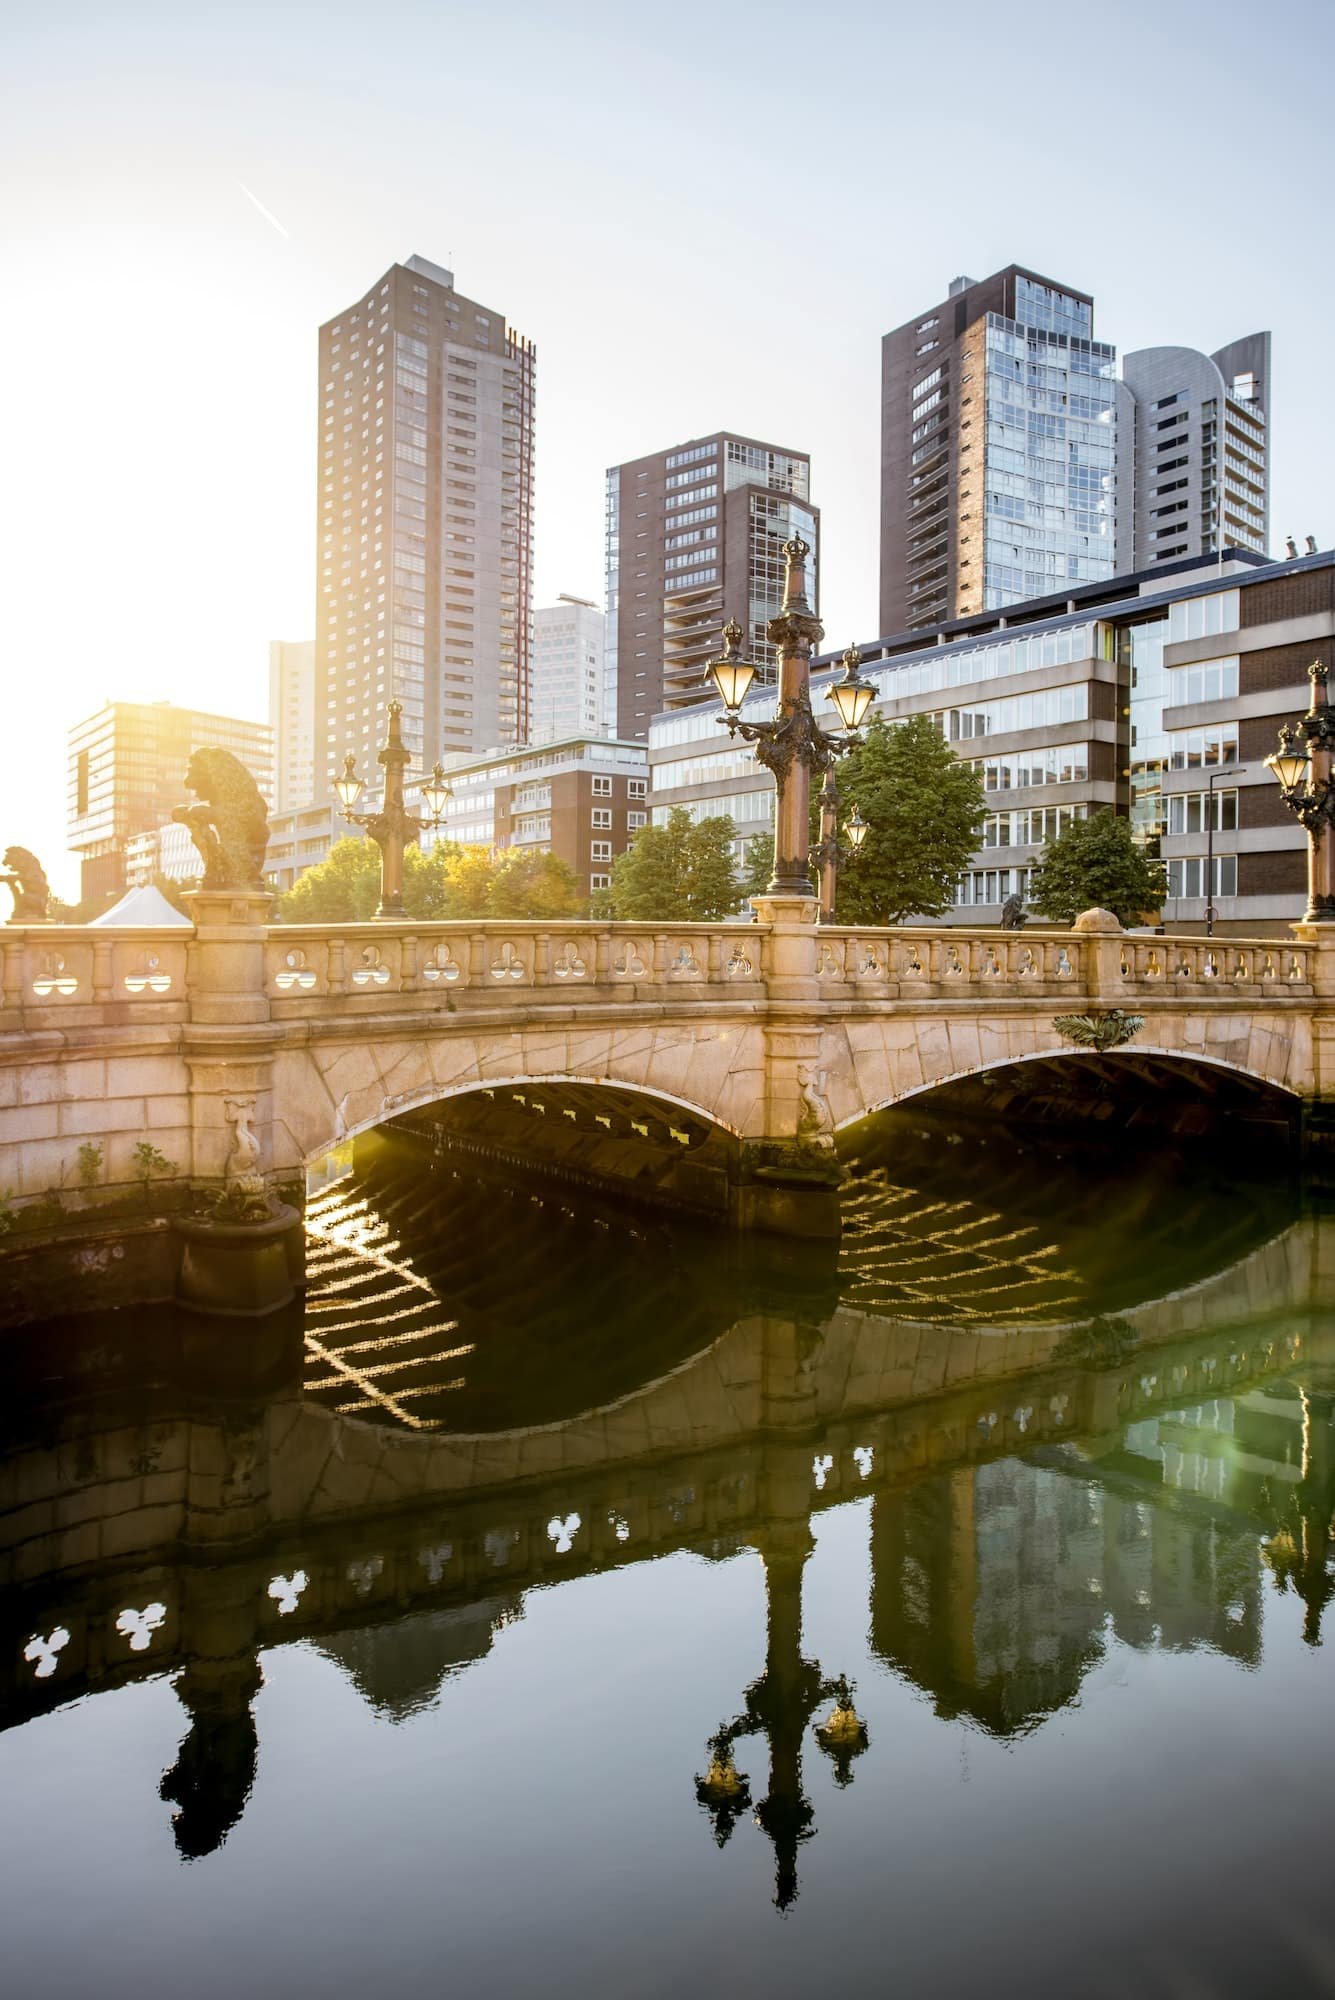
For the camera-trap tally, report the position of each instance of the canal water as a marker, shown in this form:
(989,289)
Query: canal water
(572,1602)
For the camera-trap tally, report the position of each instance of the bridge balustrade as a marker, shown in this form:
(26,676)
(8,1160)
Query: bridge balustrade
(70,975)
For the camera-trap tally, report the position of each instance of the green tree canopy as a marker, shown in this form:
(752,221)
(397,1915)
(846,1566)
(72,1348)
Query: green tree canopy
(526,884)
(1097,864)
(924,812)
(681,872)
(344,888)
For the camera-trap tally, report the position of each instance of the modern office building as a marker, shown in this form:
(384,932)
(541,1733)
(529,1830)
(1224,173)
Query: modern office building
(127,767)
(998,450)
(301,838)
(423,587)
(567,697)
(1015,463)
(694,537)
(582,800)
(1194,427)
(1130,695)
(292,720)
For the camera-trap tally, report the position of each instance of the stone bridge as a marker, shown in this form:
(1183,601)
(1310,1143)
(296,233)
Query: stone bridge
(143,1067)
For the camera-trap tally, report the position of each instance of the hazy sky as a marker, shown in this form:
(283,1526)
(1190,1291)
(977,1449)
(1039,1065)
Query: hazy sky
(704,215)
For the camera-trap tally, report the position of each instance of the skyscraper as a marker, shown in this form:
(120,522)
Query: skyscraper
(425,523)
(694,537)
(998,450)
(127,767)
(292,720)
(567,695)
(1200,478)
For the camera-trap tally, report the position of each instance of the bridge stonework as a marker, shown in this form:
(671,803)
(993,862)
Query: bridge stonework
(247,1046)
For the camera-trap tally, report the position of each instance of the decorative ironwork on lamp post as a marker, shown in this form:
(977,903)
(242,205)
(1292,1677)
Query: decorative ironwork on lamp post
(1303,767)
(392,827)
(793,746)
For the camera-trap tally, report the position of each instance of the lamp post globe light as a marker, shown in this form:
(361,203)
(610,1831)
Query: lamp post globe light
(793,747)
(1302,768)
(392,827)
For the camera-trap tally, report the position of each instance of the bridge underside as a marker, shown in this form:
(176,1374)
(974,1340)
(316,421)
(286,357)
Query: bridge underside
(1138,1096)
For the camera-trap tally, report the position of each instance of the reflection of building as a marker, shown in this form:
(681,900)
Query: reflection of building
(695,537)
(581,800)
(426,468)
(567,670)
(292,719)
(1128,694)
(127,767)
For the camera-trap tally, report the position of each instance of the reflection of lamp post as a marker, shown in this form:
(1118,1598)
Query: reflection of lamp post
(793,746)
(779,1706)
(830,853)
(392,827)
(1302,768)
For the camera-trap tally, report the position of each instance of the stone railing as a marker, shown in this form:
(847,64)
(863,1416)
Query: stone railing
(965,964)
(67,975)
(361,966)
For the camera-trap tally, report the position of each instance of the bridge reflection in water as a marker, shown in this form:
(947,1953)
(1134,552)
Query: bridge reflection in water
(1078,1423)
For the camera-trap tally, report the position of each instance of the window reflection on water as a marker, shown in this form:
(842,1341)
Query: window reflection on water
(692,1571)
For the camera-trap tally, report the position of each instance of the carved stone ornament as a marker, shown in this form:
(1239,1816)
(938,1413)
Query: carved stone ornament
(1099,1031)
(815,1120)
(230,825)
(27,884)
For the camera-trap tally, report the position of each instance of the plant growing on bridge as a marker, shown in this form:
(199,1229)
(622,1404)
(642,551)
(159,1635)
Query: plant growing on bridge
(149,1161)
(924,812)
(89,1166)
(1098,864)
(681,872)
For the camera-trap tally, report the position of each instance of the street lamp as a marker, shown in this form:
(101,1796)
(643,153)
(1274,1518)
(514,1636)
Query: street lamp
(1302,769)
(1233,771)
(793,746)
(830,853)
(392,827)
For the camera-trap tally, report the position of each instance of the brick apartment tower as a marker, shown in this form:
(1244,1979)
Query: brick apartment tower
(998,450)
(695,537)
(423,585)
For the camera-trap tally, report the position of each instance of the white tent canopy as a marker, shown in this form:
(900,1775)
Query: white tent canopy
(146,908)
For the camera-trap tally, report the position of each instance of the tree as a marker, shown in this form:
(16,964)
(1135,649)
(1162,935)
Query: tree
(681,872)
(924,812)
(344,888)
(526,884)
(1097,864)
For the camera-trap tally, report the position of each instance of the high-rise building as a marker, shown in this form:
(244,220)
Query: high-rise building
(694,537)
(1199,481)
(127,767)
(292,720)
(998,450)
(567,697)
(424,523)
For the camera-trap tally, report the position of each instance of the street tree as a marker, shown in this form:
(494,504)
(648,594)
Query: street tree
(679,872)
(924,813)
(1098,864)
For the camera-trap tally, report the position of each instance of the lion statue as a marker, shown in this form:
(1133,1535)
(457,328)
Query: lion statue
(26,881)
(230,826)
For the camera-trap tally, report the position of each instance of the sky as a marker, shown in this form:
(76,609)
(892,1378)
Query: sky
(705,216)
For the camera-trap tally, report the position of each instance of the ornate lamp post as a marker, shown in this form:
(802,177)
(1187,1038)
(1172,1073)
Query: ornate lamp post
(793,746)
(829,854)
(1302,766)
(392,827)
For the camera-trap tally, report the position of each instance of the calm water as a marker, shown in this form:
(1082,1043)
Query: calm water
(580,1605)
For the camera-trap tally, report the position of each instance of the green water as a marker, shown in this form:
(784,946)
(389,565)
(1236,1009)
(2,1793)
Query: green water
(574,1603)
